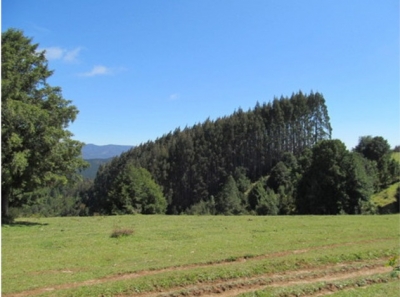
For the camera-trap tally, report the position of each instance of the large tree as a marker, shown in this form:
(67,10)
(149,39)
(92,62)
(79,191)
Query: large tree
(336,181)
(36,150)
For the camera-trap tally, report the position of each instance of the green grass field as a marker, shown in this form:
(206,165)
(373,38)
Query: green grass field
(77,256)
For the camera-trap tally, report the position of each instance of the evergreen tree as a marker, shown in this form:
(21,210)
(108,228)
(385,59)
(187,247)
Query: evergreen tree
(228,200)
(193,164)
(36,150)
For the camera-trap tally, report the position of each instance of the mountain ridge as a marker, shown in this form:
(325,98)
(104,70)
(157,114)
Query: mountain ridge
(93,151)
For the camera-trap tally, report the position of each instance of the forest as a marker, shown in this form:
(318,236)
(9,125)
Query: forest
(275,159)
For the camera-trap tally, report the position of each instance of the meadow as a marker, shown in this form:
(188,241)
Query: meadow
(199,255)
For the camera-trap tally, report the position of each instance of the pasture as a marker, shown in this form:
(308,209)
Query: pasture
(200,255)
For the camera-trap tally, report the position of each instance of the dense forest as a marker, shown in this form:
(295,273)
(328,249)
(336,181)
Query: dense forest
(277,158)
(194,164)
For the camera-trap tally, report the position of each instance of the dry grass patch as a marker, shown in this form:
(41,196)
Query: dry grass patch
(120,232)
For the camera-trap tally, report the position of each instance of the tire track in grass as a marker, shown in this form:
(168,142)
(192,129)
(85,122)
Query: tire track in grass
(138,274)
(252,284)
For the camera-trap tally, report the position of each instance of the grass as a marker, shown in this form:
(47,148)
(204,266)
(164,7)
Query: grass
(386,199)
(374,286)
(45,252)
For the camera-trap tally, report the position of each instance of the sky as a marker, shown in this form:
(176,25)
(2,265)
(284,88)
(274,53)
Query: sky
(138,69)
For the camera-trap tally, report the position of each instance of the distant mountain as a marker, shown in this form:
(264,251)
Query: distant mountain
(92,151)
(97,155)
(94,165)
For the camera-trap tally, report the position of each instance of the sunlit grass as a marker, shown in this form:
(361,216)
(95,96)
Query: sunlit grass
(52,251)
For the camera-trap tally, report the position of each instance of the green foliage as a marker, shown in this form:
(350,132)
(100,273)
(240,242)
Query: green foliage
(337,181)
(203,208)
(193,164)
(387,200)
(228,201)
(377,149)
(373,148)
(68,200)
(280,176)
(134,191)
(263,201)
(268,203)
(37,150)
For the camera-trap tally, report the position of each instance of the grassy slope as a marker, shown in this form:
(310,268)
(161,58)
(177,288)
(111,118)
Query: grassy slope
(64,250)
(385,198)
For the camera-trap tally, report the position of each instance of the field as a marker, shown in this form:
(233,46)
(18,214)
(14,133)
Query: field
(201,256)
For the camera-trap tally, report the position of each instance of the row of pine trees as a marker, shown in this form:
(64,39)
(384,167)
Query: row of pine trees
(196,164)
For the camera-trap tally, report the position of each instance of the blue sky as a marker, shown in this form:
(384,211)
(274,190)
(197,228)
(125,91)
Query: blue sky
(139,69)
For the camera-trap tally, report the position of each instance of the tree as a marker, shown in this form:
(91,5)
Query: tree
(377,149)
(263,201)
(336,181)
(280,176)
(37,150)
(373,148)
(322,185)
(228,200)
(268,204)
(134,191)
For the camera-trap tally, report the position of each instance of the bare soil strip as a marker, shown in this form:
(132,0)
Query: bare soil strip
(134,275)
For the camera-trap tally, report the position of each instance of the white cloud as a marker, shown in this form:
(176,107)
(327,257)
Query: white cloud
(97,70)
(53,53)
(174,97)
(71,56)
(59,53)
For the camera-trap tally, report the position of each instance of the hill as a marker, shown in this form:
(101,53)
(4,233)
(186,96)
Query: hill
(196,164)
(92,151)
(94,165)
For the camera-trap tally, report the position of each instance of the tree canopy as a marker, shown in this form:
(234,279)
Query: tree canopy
(197,163)
(37,150)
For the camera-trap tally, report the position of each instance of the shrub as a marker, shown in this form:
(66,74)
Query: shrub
(119,232)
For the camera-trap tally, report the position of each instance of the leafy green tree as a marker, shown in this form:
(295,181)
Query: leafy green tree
(268,203)
(36,151)
(373,148)
(377,149)
(359,184)
(336,181)
(134,191)
(280,176)
(263,201)
(322,185)
(256,194)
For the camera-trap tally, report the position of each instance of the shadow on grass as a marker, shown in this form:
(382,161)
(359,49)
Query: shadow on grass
(389,208)
(25,224)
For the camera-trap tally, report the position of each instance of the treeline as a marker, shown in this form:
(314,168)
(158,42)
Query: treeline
(277,158)
(194,164)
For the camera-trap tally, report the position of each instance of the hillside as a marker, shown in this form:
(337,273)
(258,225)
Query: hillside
(92,151)
(196,164)
(94,165)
